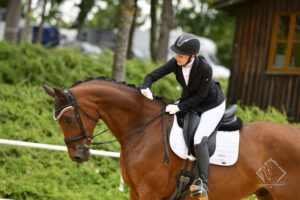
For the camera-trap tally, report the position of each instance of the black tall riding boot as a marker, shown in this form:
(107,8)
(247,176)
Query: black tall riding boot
(200,186)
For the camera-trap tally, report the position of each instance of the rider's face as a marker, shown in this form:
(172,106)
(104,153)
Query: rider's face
(182,59)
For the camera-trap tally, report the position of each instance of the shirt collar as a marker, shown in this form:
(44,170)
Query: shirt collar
(190,64)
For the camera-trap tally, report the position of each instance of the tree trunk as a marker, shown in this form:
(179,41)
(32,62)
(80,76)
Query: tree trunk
(85,6)
(129,50)
(127,9)
(165,28)
(153,29)
(41,27)
(12,21)
(27,22)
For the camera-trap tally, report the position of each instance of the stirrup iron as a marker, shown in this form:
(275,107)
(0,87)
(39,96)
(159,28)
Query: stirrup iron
(198,190)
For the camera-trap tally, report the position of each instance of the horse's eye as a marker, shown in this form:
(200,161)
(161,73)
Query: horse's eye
(69,120)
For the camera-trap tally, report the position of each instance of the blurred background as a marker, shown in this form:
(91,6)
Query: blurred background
(92,25)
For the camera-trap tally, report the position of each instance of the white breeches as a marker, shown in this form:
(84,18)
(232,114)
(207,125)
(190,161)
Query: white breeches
(208,122)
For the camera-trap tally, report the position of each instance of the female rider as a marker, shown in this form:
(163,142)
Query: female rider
(200,96)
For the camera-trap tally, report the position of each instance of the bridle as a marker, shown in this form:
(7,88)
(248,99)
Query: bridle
(68,141)
(83,135)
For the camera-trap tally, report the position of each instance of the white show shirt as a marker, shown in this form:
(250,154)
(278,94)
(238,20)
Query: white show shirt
(186,71)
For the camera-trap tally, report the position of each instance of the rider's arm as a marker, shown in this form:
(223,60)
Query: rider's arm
(159,73)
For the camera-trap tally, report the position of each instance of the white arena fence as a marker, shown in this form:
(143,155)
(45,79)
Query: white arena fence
(61,148)
(55,147)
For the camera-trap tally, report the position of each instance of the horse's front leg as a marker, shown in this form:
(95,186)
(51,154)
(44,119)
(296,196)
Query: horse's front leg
(133,194)
(146,193)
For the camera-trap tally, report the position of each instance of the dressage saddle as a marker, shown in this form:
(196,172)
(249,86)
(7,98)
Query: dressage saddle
(229,122)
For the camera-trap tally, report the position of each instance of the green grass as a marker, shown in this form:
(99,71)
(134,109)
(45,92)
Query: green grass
(252,197)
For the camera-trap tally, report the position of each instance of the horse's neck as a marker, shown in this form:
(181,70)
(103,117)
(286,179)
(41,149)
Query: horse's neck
(123,109)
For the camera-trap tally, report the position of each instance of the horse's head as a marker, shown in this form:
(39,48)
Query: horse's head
(76,120)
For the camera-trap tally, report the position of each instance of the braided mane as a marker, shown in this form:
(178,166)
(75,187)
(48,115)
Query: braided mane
(102,78)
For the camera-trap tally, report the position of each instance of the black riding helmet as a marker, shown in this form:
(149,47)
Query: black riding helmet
(186,44)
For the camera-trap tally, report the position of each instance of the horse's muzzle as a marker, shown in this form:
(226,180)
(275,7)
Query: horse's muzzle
(80,155)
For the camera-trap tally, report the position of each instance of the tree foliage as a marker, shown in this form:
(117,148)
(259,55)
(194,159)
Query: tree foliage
(50,16)
(106,17)
(4,3)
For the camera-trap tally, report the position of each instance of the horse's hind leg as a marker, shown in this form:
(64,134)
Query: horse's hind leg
(263,194)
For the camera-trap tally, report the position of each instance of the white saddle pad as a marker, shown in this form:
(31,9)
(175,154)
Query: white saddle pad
(227,146)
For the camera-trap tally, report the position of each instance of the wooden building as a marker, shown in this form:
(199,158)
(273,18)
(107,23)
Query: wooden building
(265,69)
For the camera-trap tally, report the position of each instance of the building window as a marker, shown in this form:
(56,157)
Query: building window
(284,55)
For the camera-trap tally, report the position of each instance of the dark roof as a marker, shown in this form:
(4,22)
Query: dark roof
(226,4)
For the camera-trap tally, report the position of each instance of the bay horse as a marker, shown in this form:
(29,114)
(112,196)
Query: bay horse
(123,109)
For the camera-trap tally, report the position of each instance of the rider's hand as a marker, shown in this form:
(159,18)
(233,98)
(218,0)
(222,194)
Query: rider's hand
(172,109)
(147,93)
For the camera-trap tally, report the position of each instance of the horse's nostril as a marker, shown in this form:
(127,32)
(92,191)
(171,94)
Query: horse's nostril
(77,158)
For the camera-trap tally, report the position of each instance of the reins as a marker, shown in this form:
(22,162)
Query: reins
(131,132)
(165,134)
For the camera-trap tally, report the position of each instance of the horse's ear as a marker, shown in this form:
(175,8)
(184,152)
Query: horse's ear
(62,96)
(49,90)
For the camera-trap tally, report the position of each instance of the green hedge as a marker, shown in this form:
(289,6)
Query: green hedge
(33,64)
